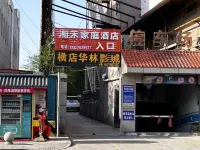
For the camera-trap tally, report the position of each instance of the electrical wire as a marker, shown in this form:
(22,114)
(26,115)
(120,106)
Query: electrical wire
(27,16)
(29,36)
(80,23)
(59,24)
(26,49)
(66,26)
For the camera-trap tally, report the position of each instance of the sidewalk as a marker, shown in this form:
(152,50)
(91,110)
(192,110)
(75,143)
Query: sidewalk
(56,143)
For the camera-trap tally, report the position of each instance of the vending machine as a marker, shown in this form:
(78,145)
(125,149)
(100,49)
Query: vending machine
(10,120)
(26,116)
(15,115)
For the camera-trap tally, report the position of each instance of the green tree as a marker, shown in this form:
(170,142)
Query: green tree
(43,64)
(46,57)
(32,64)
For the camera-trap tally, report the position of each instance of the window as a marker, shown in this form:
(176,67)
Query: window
(8,31)
(3,28)
(5,32)
(117,7)
(1,24)
(15,47)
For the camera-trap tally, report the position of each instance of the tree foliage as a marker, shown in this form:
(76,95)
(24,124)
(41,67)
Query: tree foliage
(32,64)
(46,57)
(43,64)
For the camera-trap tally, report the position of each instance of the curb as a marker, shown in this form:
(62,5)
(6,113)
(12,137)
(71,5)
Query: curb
(48,145)
(165,134)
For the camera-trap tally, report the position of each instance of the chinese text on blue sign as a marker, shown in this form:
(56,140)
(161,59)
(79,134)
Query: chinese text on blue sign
(128,94)
(128,115)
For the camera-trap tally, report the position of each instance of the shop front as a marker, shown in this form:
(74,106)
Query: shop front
(16,111)
(18,103)
(158,91)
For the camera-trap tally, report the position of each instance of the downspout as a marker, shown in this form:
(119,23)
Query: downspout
(58,102)
(11,47)
(112,79)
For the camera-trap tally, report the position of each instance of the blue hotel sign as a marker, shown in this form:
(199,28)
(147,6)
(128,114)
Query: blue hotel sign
(128,115)
(128,94)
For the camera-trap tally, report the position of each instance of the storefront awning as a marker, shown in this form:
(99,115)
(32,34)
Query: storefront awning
(161,62)
(32,81)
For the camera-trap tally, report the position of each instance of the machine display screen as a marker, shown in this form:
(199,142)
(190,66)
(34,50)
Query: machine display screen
(26,106)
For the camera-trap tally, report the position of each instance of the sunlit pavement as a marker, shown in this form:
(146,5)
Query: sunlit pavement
(88,134)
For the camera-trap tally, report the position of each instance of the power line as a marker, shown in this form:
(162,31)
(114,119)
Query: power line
(80,23)
(27,16)
(25,48)
(59,24)
(29,36)
(66,26)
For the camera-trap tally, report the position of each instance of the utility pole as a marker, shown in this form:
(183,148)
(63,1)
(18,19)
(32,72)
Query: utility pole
(46,20)
(46,23)
(198,102)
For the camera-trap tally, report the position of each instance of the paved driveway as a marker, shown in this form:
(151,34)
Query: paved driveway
(88,134)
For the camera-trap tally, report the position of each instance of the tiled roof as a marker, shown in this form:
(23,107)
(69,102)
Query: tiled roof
(161,59)
(23,81)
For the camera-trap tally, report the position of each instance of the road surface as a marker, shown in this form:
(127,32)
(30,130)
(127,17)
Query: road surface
(88,134)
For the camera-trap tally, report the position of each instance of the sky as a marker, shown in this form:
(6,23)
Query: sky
(30,16)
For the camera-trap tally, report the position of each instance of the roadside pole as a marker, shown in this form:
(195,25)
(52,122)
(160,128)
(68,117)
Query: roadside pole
(198,102)
(58,103)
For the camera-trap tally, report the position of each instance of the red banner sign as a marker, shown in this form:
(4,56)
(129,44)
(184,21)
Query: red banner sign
(98,40)
(16,90)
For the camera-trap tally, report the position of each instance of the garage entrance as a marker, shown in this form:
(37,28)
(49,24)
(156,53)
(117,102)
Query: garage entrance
(159,105)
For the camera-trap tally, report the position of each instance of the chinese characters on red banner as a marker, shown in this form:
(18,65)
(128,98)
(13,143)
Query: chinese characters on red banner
(66,58)
(87,40)
(16,90)
(87,47)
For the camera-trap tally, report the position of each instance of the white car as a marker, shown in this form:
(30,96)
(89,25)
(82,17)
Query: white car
(73,103)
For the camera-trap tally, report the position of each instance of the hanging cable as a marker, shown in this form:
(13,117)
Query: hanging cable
(59,24)
(29,36)
(27,16)
(25,48)
(80,23)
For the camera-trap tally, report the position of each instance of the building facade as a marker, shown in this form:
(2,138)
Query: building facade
(161,66)
(9,35)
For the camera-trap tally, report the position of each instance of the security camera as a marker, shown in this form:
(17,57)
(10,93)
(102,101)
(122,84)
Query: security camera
(104,76)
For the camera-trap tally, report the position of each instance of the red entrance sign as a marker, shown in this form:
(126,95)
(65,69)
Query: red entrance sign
(16,90)
(97,40)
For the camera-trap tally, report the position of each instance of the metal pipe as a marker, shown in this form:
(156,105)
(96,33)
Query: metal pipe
(76,16)
(58,103)
(191,21)
(110,9)
(78,13)
(96,11)
(128,4)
